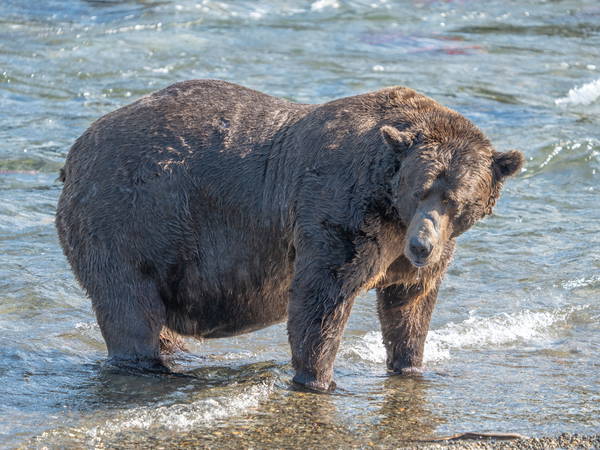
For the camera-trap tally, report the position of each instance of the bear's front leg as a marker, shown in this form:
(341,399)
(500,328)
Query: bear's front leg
(326,281)
(405,313)
(317,314)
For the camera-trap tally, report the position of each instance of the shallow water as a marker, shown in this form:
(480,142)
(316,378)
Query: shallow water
(514,341)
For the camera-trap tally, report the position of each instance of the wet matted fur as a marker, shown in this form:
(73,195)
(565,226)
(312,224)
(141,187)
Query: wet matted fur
(209,210)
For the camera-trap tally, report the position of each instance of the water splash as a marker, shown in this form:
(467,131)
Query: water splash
(322,4)
(582,95)
(185,417)
(474,332)
(180,417)
(581,282)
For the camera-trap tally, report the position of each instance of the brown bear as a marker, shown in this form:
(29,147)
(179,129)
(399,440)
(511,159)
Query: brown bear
(209,210)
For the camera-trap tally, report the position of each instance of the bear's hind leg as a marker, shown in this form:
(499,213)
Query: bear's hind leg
(131,315)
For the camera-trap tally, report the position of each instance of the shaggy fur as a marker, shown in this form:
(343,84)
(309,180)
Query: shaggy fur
(210,210)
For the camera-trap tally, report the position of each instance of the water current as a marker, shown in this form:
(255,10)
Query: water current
(514,343)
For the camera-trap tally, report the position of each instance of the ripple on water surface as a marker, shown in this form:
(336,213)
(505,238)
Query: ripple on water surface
(524,328)
(513,344)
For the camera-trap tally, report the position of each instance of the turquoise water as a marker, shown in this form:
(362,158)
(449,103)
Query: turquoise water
(514,340)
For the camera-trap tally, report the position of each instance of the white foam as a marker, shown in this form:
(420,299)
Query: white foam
(230,356)
(322,4)
(185,417)
(583,95)
(500,330)
(581,282)
(368,348)
(474,332)
(172,418)
(166,69)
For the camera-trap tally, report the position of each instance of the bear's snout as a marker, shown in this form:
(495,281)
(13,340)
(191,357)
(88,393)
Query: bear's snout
(426,232)
(420,249)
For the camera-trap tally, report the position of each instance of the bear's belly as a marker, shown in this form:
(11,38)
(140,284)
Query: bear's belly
(232,311)
(242,289)
(249,308)
(244,325)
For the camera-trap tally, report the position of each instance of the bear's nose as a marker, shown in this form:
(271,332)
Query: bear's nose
(420,249)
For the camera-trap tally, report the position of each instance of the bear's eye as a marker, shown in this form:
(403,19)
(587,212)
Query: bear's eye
(451,205)
(461,224)
(469,214)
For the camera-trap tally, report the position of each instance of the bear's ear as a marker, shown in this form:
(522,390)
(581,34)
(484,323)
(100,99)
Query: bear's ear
(507,163)
(397,141)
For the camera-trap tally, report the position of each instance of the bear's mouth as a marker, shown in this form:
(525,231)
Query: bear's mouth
(419,264)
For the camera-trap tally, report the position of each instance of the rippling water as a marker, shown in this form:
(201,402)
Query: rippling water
(514,340)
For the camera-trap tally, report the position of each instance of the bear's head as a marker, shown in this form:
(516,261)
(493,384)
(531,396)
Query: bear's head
(448,175)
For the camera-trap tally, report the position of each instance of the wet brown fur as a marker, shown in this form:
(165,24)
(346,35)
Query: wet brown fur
(211,210)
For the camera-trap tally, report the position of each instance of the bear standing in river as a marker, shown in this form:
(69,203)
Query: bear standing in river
(210,210)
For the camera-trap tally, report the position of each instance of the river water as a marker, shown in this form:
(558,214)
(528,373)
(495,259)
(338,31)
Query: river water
(514,344)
